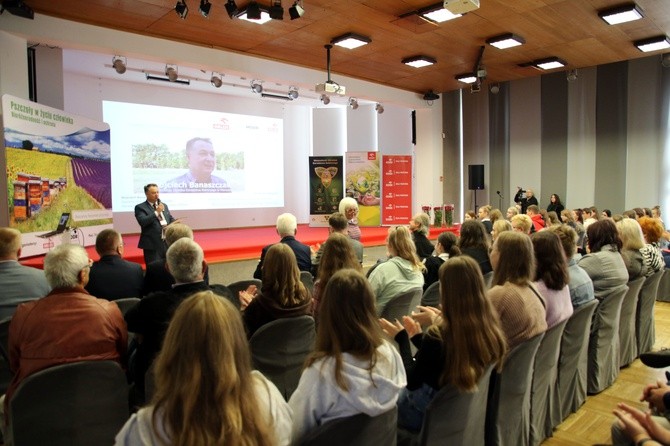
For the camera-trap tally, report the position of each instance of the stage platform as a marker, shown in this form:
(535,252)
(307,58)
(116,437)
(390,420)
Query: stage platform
(229,245)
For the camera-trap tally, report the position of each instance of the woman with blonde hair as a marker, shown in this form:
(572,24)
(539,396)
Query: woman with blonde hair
(500,226)
(206,391)
(337,254)
(632,242)
(402,272)
(352,369)
(282,293)
(457,348)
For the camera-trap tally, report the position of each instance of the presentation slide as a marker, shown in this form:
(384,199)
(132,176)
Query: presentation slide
(199,159)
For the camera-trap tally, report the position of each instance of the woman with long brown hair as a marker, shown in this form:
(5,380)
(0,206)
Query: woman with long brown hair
(353,369)
(206,392)
(282,293)
(551,276)
(456,349)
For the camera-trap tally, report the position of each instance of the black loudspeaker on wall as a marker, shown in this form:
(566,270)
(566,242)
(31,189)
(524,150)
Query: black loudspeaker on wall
(475,176)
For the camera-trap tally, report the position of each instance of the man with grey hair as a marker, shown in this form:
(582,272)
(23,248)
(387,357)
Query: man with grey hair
(18,283)
(149,319)
(112,277)
(68,324)
(287,228)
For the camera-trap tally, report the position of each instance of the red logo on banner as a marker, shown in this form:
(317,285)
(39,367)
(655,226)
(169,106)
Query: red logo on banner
(397,181)
(372,156)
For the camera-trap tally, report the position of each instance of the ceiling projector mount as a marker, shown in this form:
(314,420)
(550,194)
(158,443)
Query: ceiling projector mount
(329,87)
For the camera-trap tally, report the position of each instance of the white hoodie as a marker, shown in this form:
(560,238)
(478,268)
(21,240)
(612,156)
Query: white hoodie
(319,399)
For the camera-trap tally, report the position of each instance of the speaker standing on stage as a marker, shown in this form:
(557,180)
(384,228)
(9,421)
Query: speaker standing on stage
(153,216)
(525,201)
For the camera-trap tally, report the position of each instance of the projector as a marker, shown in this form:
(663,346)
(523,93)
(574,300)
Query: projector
(17,8)
(330,88)
(461,6)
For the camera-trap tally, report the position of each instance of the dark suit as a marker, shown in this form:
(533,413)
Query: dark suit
(113,278)
(151,241)
(157,278)
(302,254)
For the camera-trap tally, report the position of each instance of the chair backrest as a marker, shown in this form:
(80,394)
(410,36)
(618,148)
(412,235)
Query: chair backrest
(455,417)
(663,293)
(81,403)
(644,319)
(308,280)
(356,430)
(279,349)
(402,304)
(241,285)
(573,357)
(431,297)
(603,359)
(508,411)
(627,340)
(6,374)
(126,303)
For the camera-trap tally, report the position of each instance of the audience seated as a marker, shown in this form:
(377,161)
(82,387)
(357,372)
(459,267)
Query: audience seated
(67,325)
(111,277)
(282,293)
(206,392)
(349,208)
(287,228)
(500,226)
(353,368)
(337,223)
(495,215)
(401,272)
(459,345)
(632,242)
(484,215)
(520,307)
(651,251)
(522,223)
(150,317)
(533,212)
(580,284)
(590,216)
(633,426)
(419,225)
(511,212)
(474,242)
(604,263)
(551,276)
(156,276)
(337,254)
(18,283)
(446,247)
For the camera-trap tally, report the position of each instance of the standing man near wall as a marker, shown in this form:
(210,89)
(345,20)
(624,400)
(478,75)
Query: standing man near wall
(526,201)
(153,216)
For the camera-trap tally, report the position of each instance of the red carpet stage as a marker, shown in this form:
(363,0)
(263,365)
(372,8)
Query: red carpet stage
(227,245)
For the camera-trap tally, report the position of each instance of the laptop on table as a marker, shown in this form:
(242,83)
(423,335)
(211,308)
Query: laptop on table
(62,226)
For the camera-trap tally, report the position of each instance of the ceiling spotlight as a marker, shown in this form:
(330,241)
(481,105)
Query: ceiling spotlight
(253,10)
(379,108)
(231,8)
(505,41)
(494,88)
(216,80)
(571,75)
(550,63)
(119,63)
(257,86)
(325,99)
(621,14)
(350,40)
(255,13)
(205,6)
(293,93)
(181,9)
(653,44)
(436,13)
(419,61)
(431,96)
(467,78)
(171,72)
(276,10)
(296,11)
(353,103)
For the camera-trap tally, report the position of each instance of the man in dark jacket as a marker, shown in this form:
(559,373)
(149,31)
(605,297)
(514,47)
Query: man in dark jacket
(111,277)
(287,228)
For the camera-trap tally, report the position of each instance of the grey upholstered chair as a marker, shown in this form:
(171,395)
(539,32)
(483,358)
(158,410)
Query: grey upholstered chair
(544,398)
(402,304)
(242,285)
(126,303)
(6,374)
(81,403)
(357,430)
(431,297)
(663,294)
(627,339)
(508,410)
(645,330)
(573,359)
(455,417)
(603,362)
(279,349)
(308,280)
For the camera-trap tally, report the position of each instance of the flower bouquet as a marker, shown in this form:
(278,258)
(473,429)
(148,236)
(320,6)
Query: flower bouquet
(426,210)
(449,215)
(438,216)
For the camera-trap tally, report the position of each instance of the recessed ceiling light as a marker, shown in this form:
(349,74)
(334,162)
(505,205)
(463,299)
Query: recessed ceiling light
(505,41)
(550,63)
(653,44)
(419,61)
(437,13)
(621,14)
(467,78)
(351,40)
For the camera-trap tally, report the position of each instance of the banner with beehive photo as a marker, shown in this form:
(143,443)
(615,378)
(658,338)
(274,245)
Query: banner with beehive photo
(325,188)
(58,175)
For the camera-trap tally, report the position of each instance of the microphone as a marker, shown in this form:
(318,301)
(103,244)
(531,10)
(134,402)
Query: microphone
(498,192)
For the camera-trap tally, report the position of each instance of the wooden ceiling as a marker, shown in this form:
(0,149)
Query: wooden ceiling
(569,29)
